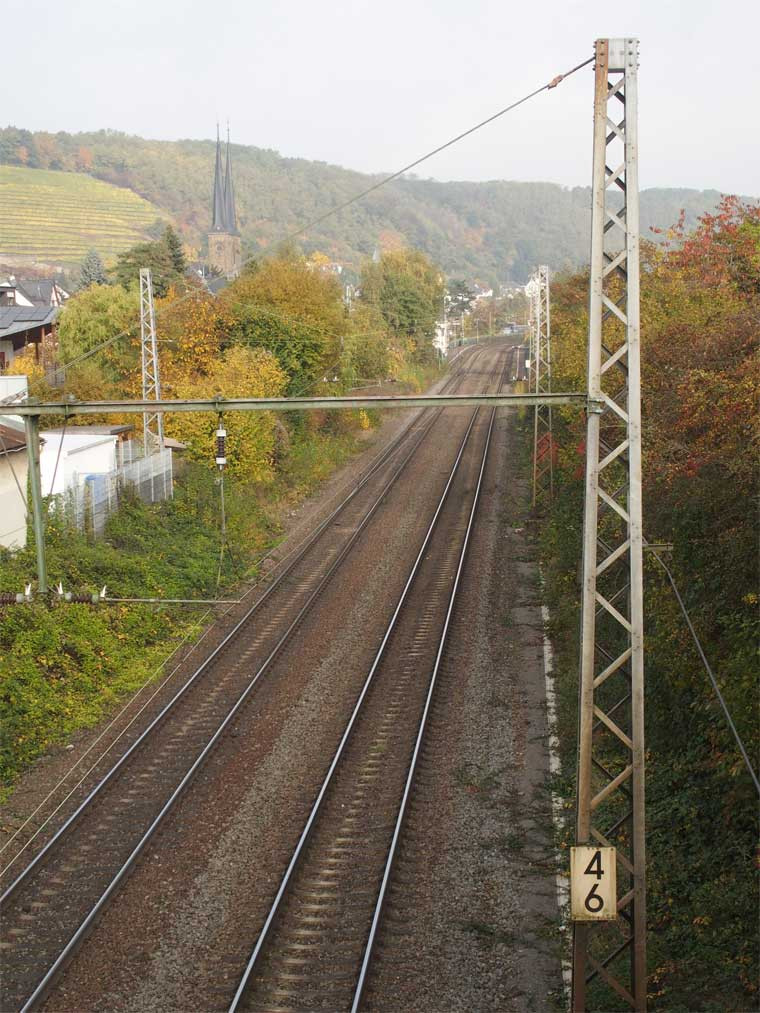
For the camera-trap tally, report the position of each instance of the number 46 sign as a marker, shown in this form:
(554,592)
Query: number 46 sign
(593,886)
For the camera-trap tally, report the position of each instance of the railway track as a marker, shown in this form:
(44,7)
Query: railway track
(49,909)
(316,945)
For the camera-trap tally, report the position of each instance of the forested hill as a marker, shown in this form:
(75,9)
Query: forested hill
(489,232)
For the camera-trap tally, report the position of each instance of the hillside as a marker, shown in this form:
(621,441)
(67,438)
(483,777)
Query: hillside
(56,217)
(492,231)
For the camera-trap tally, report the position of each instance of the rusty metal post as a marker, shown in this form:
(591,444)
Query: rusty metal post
(543,442)
(32,425)
(610,777)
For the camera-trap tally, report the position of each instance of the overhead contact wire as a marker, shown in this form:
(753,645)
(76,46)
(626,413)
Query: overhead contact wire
(710,674)
(364,193)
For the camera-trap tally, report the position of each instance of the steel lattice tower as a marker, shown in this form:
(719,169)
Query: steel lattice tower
(541,360)
(610,801)
(153,424)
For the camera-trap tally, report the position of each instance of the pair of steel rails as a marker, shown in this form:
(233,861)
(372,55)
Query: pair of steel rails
(15,888)
(256,971)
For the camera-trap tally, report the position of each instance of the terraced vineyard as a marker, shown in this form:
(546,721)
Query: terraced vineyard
(56,217)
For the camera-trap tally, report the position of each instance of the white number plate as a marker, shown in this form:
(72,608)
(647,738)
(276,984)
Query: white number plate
(593,884)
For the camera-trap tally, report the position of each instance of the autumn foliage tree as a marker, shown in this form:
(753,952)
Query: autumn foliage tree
(297,290)
(236,372)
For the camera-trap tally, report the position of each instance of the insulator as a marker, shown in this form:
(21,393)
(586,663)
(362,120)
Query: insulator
(221,447)
(81,598)
(10,598)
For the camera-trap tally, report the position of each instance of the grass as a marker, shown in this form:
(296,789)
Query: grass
(56,217)
(63,667)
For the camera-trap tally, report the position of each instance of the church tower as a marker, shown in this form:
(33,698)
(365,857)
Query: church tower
(224,253)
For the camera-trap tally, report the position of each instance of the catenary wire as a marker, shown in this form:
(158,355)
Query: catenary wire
(58,456)
(13,471)
(359,196)
(710,673)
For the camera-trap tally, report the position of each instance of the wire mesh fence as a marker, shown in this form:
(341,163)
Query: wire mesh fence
(94,497)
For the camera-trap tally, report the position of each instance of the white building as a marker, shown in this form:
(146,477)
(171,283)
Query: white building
(14,470)
(70,456)
(13,388)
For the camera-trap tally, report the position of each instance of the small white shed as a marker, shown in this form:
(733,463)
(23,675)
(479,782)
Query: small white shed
(69,455)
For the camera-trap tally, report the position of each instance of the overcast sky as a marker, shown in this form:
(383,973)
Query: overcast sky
(372,85)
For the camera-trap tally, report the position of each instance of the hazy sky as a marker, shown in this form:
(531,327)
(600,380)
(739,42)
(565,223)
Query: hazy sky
(372,85)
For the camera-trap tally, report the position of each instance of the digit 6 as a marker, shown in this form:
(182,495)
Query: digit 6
(594,903)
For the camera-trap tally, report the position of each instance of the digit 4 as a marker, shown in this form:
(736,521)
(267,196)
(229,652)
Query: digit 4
(594,867)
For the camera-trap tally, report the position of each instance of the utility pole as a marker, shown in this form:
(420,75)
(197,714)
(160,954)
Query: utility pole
(32,426)
(610,777)
(153,422)
(543,443)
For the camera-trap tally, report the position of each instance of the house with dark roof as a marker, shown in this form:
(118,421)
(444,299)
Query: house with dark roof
(28,310)
(32,292)
(25,325)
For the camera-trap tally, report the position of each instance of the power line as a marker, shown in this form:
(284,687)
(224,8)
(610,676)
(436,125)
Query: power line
(362,194)
(7,454)
(442,147)
(710,673)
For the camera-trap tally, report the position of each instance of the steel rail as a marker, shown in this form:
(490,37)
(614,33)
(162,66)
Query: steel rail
(67,953)
(315,811)
(363,973)
(301,551)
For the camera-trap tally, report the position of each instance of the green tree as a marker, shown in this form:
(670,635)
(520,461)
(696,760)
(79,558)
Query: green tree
(174,246)
(407,288)
(460,296)
(92,271)
(297,346)
(699,310)
(305,297)
(95,316)
(157,257)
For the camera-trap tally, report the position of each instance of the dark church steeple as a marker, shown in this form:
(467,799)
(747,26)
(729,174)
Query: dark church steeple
(224,238)
(229,192)
(218,207)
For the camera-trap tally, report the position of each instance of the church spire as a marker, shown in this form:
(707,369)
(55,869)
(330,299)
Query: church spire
(218,205)
(229,192)
(224,242)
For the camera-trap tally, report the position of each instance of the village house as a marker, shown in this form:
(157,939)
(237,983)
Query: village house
(28,311)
